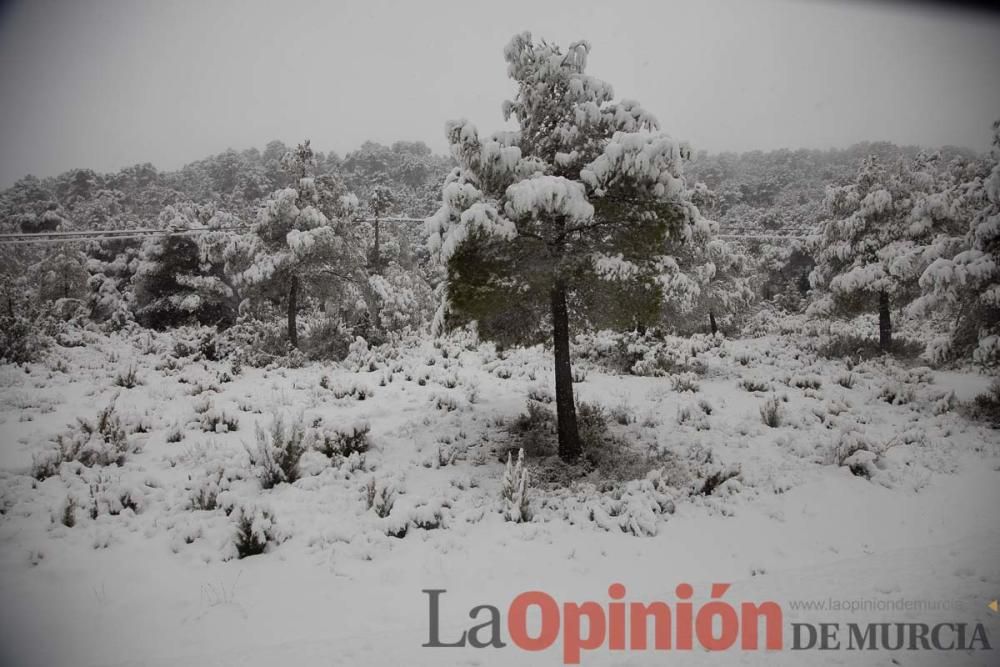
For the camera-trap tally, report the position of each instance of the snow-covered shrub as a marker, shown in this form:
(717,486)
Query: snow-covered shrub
(67,516)
(428,516)
(514,489)
(849,345)
(109,496)
(686,381)
(716,479)
(771,412)
(621,414)
(445,455)
(634,508)
(21,339)
(754,385)
(845,380)
(256,339)
(101,442)
(534,429)
(359,357)
(540,395)
(256,529)
(380,497)
(326,339)
(444,402)
(851,449)
(341,440)
(943,403)
(628,352)
(686,414)
(354,390)
(862,463)
(986,406)
(806,382)
(593,424)
(279,448)
(218,421)
(896,393)
(352,463)
(204,490)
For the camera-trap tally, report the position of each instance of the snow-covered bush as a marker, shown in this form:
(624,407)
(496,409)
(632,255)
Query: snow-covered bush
(635,353)
(339,440)
(848,441)
(754,385)
(255,530)
(326,338)
(534,429)
(128,378)
(279,448)
(896,393)
(806,381)
(102,442)
(218,421)
(771,412)
(986,406)
(67,516)
(845,380)
(715,480)
(256,339)
(685,382)
(634,508)
(108,495)
(204,489)
(692,416)
(514,489)
(353,389)
(22,339)
(380,497)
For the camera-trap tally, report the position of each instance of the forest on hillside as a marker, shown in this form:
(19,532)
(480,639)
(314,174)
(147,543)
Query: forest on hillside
(779,213)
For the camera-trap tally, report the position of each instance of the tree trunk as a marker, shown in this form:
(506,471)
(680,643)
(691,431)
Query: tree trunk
(884,322)
(377,250)
(569,436)
(293,310)
(711,322)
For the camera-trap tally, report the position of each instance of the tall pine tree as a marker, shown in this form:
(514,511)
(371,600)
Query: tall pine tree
(571,218)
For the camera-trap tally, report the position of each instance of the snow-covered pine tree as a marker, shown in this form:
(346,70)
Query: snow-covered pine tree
(61,273)
(572,213)
(707,280)
(783,272)
(378,203)
(297,245)
(868,250)
(176,281)
(966,284)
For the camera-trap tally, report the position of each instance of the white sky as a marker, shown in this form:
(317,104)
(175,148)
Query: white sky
(109,83)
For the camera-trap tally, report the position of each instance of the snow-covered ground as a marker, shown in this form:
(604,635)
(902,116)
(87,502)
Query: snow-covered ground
(153,581)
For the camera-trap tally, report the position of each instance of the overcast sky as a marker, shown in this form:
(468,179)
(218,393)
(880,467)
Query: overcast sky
(108,83)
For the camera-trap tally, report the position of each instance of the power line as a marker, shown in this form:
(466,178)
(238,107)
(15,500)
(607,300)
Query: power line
(24,238)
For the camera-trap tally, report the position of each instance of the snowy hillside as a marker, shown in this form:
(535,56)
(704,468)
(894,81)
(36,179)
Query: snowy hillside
(870,483)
